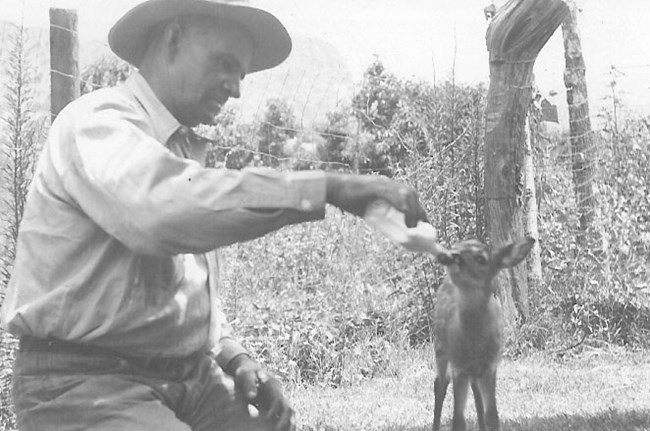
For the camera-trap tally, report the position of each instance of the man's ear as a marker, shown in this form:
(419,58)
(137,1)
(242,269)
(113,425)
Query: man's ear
(513,253)
(172,39)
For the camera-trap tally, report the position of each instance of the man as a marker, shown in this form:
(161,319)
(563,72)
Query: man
(114,284)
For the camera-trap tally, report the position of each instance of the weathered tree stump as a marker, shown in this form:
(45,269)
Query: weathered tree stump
(515,36)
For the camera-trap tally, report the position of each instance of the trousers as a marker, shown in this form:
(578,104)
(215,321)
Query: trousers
(59,385)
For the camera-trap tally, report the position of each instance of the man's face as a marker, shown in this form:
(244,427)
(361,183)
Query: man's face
(211,61)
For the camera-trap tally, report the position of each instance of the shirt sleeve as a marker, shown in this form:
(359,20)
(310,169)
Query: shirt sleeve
(227,346)
(157,203)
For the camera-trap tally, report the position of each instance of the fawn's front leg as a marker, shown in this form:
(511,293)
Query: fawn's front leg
(461,387)
(487,387)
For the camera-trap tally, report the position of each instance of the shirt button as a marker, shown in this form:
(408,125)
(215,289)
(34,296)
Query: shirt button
(306,205)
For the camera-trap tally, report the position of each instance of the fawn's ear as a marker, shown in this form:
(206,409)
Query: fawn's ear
(513,253)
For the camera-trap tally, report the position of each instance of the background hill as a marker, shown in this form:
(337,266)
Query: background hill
(314,80)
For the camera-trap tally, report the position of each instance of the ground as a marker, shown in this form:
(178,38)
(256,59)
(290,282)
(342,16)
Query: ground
(599,389)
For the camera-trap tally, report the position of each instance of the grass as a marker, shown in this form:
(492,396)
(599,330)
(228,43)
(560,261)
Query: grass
(595,390)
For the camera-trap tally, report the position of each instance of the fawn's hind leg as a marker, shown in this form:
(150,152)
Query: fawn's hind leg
(440,390)
(487,387)
(478,402)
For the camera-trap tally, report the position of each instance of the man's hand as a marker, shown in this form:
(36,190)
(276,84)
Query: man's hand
(263,391)
(353,193)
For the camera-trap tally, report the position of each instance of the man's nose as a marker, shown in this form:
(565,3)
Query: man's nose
(232,87)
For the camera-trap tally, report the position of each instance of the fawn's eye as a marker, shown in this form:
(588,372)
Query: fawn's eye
(480,260)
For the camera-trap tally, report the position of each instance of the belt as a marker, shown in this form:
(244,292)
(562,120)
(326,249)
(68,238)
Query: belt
(29,343)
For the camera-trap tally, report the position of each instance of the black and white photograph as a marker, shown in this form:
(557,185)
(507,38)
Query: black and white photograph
(324,215)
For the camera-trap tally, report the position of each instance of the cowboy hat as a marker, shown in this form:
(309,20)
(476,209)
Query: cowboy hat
(271,41)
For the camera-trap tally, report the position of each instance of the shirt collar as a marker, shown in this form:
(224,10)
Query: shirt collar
(164,123)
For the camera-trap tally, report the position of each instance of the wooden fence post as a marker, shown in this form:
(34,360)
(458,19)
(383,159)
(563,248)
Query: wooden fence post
(516,34)
(64,59)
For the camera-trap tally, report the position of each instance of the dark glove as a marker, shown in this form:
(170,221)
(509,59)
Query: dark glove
(263,391)
(353,193)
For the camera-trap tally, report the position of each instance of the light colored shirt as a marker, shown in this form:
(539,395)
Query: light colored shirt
(116,246)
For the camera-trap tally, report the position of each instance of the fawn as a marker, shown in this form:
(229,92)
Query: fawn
(468,328)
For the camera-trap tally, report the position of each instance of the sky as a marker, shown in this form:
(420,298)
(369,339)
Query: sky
(428,39)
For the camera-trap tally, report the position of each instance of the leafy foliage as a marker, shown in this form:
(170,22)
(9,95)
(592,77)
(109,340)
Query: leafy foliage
(106,71)
(378,100)
(375,107)
(313,307)
(611,300)
(338,145)
(595,291)
(277,127)
(233,146)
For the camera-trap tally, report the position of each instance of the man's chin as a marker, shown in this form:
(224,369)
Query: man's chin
(211,117)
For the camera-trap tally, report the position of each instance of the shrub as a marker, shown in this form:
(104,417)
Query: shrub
(597,290)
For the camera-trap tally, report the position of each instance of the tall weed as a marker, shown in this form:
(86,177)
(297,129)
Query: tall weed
(20,143)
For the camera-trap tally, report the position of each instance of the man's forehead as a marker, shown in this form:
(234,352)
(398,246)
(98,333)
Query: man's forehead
(222,37)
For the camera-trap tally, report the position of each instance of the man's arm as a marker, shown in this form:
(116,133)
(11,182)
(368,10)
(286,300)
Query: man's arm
(159,204)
